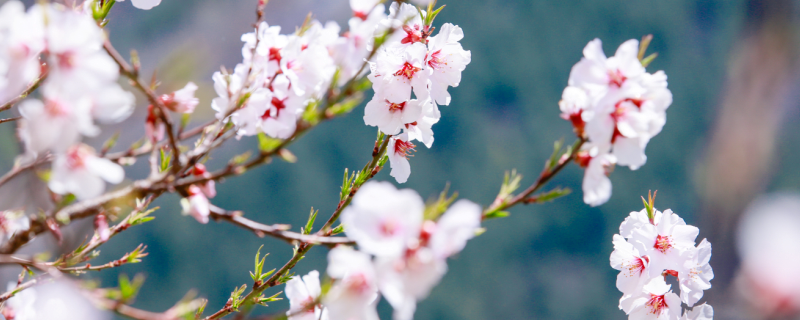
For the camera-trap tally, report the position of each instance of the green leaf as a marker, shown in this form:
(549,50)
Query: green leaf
(310,224)
(337,230)
(200,309)
(264,300)
(643,46)
(128,289)
(551,195)
(111,142)
(268,144)
(553,161)
(646,61)
(434,208)
(239,159)
(165,159)
(259,265)
(185,119)
(496,214)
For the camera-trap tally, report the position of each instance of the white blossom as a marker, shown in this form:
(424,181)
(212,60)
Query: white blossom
(145,4)
(407,279)
(354,294)
(21,42)
(457,225)
(49,125)
(182,100)
(398,69)
(445,61)
(696,274)
(80,172)
(656,301)
(285,107)
(398,150)
(634,266)
(382,220)
(596,184)
(701,312)
(58,300)
(197,204)
(768,242)
(392,117)
(667,240)
(303,294)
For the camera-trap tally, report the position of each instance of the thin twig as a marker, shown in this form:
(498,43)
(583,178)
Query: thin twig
(544,177)
(14,172)
(35,84)
(10,119)
(277,231)
(129,72)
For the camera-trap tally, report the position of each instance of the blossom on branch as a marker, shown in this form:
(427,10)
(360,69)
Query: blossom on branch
(80,172)
(303,294)
(410,253)
(652,245)
(615,104)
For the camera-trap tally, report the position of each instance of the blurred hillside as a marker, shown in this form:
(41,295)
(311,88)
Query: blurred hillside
(545,261)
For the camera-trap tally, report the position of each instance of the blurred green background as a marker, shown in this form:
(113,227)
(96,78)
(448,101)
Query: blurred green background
(546,261)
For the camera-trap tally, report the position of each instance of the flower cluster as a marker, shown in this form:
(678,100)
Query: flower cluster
(652,245)
(59,300)
(617,106)
(283,74)
(409,249)
(412,60)
(80,89)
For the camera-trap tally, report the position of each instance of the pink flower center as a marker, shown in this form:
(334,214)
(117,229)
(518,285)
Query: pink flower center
(620,110)
(55,108)
(407,71)
(279,105)
(657,304)
(663,243)
(275,54)
(308,305)
(403,148)
(413,34)
(360,15)
(583,158)
(638,265)
(435,60)
(394,107)
(389,227)
(66,60)
(616,78)
(76,158)
(577,121)
(357,283)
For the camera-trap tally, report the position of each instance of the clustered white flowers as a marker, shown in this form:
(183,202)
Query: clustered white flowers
(618,107)
(282,75)
(412,60)
(80,90)
(402,254)
(652,245)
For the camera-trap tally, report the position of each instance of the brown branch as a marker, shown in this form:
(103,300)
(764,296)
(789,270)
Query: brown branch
(17,170)
(150,147)
(544,177)
(132,74)
(35,84)
(277,231)
(10,119)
